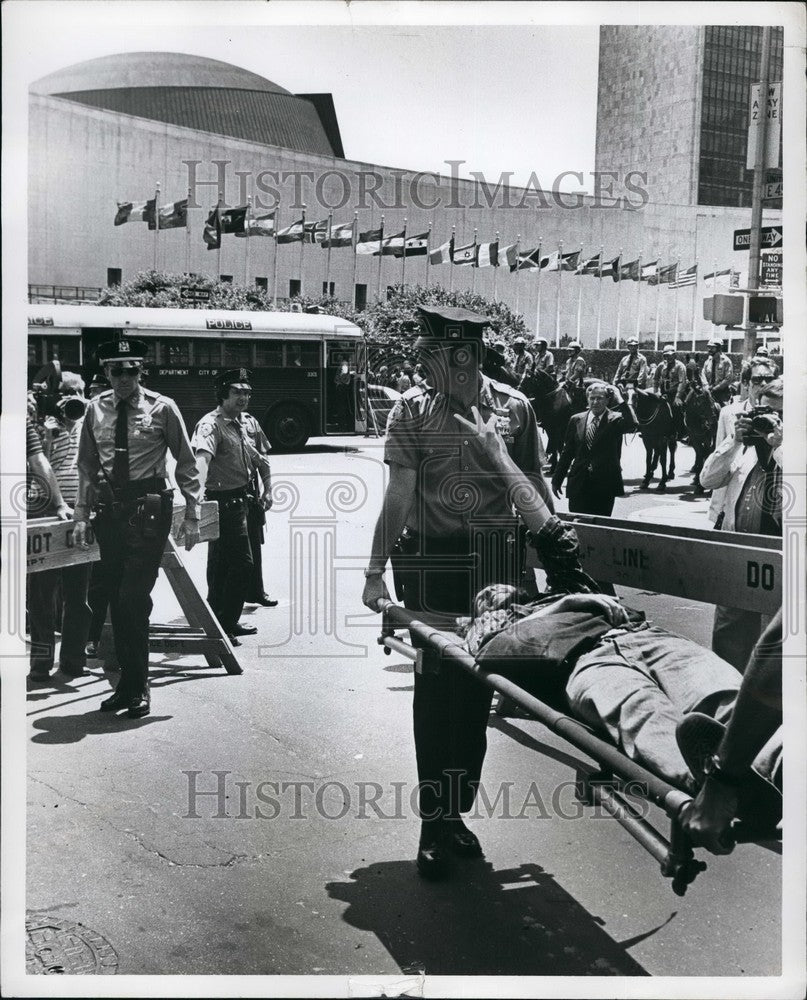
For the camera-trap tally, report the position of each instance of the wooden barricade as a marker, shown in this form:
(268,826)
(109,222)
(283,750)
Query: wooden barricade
(51,545)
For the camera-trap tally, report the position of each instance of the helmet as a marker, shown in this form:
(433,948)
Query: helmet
(575,343)
(542,340)
(762,352)
(500,345)
(521,341)
(669,349)
(714,342)
(633,342)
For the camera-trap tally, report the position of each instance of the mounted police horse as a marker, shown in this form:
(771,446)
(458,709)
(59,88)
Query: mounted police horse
(700,418)
(657,431)
(553,406)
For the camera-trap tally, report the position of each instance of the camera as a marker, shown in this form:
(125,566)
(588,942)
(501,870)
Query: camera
(764,420)
(71,407)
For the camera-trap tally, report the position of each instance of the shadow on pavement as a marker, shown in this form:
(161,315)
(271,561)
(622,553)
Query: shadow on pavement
(516,921)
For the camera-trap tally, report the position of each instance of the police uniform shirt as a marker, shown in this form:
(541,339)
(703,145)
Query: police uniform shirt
(522,363)
(545,361)
(254,433)
(233,457)
(632,368)
(724,370)
(452,493)
(575,368)
(154,427)
(670,379)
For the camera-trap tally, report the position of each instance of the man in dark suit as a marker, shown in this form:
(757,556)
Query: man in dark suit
(592,451)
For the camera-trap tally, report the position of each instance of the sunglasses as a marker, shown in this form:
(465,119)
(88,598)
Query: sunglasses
(119,370)
(761,379)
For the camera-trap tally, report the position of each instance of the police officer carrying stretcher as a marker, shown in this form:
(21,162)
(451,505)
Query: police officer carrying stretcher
(226,461)
(464,534)
(121,467)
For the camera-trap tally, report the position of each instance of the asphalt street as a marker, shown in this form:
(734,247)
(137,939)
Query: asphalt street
(261,824)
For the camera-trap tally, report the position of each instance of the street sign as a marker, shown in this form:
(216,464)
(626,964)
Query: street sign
(771,237)
(772,185)
(770,270)
(189,294)
(773,113)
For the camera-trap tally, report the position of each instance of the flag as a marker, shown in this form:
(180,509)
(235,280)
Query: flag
(415,246)
(552,262)
(173,215)
(141,211)
(211,234)
(527,261)
(263,225)
(688,277)
(611,267)
(341,235)
(590,266)
(650,272)
(507,256)
(560,262)
(488,255)
(465,255)
(629,271)
(443,254)
(569,261)
(713,275)
(667,274)
(369,242)
(391,246)
(233,220)
(291,234)
(315,232)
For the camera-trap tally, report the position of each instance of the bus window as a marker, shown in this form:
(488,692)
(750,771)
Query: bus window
(302,354)
(176,352)
(34,344)
(66,349)
(269,354)
(207,353)
(237,353)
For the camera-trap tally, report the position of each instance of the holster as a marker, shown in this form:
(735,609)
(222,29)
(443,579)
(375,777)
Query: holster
(152,511)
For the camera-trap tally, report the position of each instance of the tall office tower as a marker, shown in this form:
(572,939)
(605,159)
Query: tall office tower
(673,102)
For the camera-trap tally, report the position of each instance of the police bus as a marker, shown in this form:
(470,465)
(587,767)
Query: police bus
(295,359)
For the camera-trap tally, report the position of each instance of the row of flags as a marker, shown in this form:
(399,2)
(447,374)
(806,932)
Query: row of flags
(374,242)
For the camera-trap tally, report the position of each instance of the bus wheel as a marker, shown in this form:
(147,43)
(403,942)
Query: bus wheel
(287,428)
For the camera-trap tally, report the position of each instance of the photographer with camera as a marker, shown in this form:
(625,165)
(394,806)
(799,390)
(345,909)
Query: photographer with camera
(60,594)
(747,465)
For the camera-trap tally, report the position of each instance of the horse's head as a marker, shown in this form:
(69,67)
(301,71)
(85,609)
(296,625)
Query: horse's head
(537,383)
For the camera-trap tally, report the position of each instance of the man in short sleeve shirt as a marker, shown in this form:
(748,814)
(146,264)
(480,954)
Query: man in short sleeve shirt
(466,535)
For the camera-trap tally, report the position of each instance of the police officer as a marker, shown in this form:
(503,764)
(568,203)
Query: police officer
(632,368)
(464,536)
(544,358)
(522,359)
(574,371)
(669,381)
(226,460)
(126,434)
(259,500)
(717,372)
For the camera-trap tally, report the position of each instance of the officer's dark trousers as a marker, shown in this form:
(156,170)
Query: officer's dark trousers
(48,601)
(255,522)
(451,708)
(229,562)
(130,563)
(98,597)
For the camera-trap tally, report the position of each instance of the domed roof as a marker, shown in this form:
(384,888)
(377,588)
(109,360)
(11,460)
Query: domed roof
(151,69)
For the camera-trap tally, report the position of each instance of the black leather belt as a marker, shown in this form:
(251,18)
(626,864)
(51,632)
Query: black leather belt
(228,499)
(132,490)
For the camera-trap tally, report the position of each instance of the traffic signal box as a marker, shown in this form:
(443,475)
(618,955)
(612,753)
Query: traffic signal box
(727,310)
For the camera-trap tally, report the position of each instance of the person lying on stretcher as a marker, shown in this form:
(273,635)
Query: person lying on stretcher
(583,651)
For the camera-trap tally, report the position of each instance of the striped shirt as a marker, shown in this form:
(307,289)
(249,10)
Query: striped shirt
(64,457)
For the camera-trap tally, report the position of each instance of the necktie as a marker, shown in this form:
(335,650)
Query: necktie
(712,372)
(591,430)
(120,463)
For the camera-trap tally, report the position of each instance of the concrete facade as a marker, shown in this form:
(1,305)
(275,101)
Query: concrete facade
(83,160)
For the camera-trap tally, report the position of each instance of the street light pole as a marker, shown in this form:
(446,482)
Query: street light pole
(759,178)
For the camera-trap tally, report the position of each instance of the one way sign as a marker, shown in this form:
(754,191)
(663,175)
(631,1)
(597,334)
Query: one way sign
(771,237)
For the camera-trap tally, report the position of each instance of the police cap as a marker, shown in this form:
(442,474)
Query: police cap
(669,349)
(762,352)
(123,350)
(449,324)
(238,378)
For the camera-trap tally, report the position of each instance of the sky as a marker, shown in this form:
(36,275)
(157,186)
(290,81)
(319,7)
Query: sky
(497,97)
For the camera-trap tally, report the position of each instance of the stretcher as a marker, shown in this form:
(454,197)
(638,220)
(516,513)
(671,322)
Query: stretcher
(617,779)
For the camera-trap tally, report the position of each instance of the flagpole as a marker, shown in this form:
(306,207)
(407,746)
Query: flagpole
(403,260)
(156,221)
(248,240)
(619,297)
(639,300)
(560,289)
(474,265)
(218,248)
(328,261)
(354,241)
(658,303)
(538,289)
(694,305)
(496,268)
(518,264)
(188,237)
(451,261)
(380,259)
(428,254)
(274,266)
(579,295)
(714,287)
(675,334)
(599,298)
(302,258)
